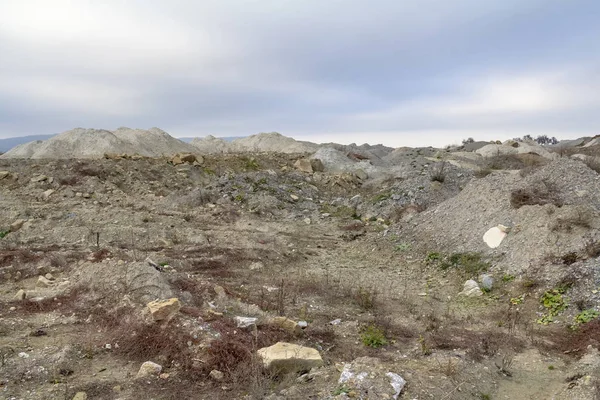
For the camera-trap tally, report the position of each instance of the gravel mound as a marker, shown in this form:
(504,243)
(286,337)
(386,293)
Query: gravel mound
(94,143)
(492,150)
(211,145)
(538,232)
(337,162)
(262,142)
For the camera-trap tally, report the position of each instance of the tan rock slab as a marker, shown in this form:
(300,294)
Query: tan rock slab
(288,357)
(162,310)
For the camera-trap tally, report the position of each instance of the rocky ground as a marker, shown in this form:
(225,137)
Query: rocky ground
(258,276)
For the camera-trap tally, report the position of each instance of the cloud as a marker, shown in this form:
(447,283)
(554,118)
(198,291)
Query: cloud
(382,69)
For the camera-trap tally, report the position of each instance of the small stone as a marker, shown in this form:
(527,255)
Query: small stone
(39,178)
(294,197)
(49,276)
(360,174)
(4,174)
(23,355)
(335,322)
(149,368)
(80,396)
(256,266)
(21,295)
(162,310)
(486,282)
(48,193)
(220,291)
(216,375)
(304,165)
(164,375)
(286,324)
(471,289)
(302,324)
(43,282)
(245,322)
(18,224)
(307,221)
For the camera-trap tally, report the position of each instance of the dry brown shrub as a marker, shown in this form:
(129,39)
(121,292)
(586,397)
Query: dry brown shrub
(67,302)
(478,345)
(98,256)
(143,342)
(540,194)
(399,213)
(18,256)
(353,226)
(574,342)
(69,180)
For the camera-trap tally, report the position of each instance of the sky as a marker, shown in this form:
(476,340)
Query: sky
(396,72)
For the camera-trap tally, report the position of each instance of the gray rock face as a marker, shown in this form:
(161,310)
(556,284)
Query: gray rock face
(486,281)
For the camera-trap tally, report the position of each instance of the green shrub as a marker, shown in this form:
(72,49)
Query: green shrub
(585,316)
(373,336)
(3,234)
(554,303)
(250,164)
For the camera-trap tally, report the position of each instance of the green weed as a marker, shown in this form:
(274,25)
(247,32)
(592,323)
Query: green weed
(373,336)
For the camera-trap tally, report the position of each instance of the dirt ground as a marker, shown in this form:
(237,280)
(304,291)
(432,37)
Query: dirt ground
(253,237)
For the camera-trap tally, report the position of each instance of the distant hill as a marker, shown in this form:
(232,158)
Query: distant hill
(226,138)
(9,143)
(94,143)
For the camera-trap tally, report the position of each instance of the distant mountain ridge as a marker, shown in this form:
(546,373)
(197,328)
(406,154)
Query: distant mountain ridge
(9,143)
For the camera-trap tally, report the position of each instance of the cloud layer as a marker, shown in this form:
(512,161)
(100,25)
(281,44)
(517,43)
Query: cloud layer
(394,72)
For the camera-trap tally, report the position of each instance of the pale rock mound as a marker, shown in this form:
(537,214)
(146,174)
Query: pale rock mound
(337,162)
(272,142)
(211,145)
(153,142)
(25,150)
(492,150)
(94,143)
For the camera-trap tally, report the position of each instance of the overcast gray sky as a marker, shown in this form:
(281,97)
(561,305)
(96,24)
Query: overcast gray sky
(397,72)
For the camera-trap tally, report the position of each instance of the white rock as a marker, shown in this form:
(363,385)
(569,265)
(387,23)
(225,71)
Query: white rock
(245,322)
(149,368)
(494,236)
(397,383)
(43,282)
(471,289)
(256,266)
(216,375)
